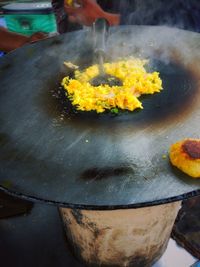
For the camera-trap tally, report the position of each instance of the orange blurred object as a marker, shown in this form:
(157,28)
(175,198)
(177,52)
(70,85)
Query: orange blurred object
(85,12)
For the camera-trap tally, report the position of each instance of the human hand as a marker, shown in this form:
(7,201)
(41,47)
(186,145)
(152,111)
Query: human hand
(87,13)
(36,37)
(11,40)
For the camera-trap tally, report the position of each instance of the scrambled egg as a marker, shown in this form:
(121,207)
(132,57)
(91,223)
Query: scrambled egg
(135,82)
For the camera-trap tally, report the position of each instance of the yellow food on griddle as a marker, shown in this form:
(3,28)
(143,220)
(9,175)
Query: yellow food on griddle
(135,82)
(185,155)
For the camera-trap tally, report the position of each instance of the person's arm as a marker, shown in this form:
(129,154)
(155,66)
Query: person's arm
(10,40)
(88,12)
(63,24)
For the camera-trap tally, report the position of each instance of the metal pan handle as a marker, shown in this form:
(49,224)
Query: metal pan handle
(100,29)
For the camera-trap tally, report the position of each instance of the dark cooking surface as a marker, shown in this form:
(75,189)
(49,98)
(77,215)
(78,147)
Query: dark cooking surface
(92,161)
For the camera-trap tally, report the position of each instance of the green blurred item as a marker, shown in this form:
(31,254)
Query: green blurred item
(29,18)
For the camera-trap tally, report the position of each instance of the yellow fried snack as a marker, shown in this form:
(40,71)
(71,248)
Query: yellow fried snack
(135,82)
(185,155)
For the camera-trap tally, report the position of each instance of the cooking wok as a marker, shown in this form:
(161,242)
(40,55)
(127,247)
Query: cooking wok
(49,152)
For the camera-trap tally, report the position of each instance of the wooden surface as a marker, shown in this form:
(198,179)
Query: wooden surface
(186,230)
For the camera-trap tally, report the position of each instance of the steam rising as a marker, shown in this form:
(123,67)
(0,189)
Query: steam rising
(165,41)
(160,42)
(176,13)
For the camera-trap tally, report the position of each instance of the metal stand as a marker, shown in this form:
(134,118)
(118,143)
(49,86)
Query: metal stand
(129,237)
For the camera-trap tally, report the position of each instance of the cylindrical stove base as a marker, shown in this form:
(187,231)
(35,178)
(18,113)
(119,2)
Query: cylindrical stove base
(127,237)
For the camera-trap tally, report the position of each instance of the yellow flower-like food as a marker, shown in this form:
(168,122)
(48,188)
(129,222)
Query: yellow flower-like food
(135,82)
(185,155)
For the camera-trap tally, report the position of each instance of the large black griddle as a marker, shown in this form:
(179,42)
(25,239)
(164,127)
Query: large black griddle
(84,160)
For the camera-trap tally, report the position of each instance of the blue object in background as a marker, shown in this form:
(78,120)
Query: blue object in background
(3,24)
(197,264)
